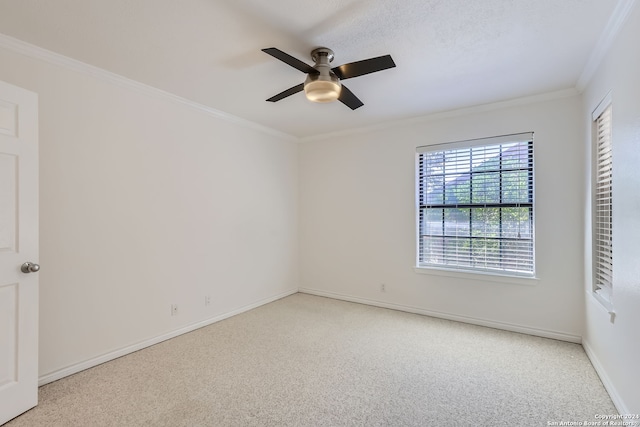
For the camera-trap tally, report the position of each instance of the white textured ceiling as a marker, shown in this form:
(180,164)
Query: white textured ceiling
(449,53)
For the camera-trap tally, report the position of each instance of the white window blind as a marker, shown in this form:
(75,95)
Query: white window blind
(475,205)
(603,212)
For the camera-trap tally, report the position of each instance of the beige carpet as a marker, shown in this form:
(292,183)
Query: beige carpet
(312,361)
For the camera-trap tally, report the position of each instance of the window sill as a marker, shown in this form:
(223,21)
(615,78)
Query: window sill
(478,276)
(603,296)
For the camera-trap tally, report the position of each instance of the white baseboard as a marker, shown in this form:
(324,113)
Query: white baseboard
(615,397)
(73,369)
(464,319)
(606,381)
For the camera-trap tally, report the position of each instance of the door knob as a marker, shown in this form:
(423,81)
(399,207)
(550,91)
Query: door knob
(29,267)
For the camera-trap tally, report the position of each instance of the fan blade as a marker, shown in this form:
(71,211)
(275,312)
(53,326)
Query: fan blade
(290,60)
(286,93)
(366,66)
(349,99)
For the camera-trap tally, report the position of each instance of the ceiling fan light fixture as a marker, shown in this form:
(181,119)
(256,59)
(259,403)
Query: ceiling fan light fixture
(323,82)
(322,88)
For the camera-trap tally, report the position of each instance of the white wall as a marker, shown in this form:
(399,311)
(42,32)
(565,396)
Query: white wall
(357,220)
(615,347)
(146,202)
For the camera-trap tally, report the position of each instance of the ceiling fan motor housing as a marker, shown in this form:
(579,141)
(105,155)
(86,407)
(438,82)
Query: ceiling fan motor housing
(324,86)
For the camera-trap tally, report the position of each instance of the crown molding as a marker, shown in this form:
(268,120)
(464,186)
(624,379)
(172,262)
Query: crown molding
(608,36)
(614,25)
(36,52)
(565,93)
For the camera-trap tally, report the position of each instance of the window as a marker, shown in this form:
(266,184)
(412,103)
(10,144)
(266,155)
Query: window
(602,201)
(475,205)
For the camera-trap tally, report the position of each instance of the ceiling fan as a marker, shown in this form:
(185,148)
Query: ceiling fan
(323,82)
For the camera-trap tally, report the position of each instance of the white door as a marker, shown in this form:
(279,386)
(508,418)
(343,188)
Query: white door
(18,244)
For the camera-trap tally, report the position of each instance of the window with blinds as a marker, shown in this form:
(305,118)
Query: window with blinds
(475,205)
(603,212)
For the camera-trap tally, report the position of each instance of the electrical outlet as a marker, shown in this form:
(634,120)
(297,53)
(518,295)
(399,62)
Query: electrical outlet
(383,287)
(207,300)
(174,309)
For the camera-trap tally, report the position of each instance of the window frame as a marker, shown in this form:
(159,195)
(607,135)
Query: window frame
(508,275)
(603,292)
